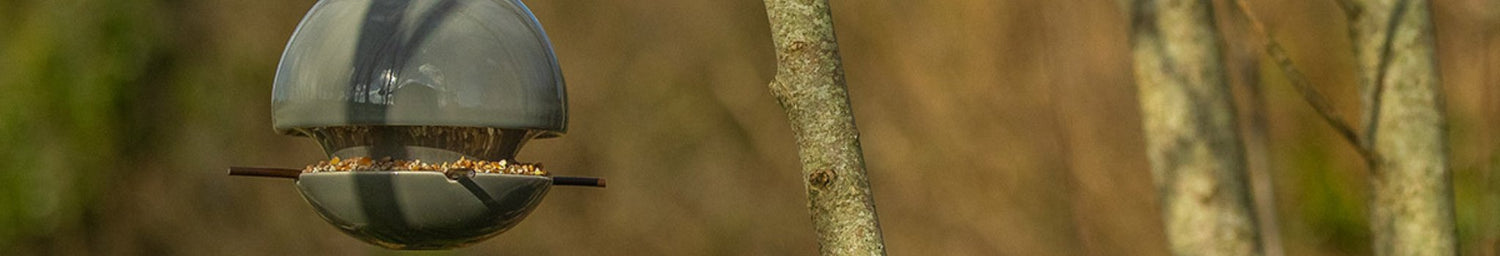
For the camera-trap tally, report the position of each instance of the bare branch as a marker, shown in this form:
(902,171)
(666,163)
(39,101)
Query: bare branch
(1319,103)
(1245,58)
(1411,201)
(810,86)
(1188,116)
(1373,95)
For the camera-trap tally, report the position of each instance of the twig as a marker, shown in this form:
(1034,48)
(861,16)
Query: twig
(1304,87)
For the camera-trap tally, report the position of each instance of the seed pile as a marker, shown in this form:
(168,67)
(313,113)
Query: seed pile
(387,164)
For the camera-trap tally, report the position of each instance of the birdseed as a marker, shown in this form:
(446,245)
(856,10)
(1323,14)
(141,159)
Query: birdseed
(359,164)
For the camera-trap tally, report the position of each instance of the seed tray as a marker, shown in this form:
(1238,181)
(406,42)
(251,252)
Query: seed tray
(387,164)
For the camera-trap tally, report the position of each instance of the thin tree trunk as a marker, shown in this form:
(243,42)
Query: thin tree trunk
(1197,159)
(1244,57)
(1262,180)
(1412,194)
(809,84)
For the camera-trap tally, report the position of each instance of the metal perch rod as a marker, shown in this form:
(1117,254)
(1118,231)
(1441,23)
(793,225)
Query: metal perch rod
(265,172)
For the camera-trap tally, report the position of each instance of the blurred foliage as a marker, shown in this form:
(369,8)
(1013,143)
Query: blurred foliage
(990,128)
(73,75)
(1333,209)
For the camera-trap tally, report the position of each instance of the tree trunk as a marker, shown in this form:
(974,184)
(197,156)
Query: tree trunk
(1244,57)
(809,84)
(1411,206)
(1197,159)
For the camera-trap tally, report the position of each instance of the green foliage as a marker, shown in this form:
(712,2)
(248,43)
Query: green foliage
(69,74)
(1476,186)
(1331,202)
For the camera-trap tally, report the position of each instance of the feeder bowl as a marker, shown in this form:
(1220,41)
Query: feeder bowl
(417,210)
(428,80)
(422,210)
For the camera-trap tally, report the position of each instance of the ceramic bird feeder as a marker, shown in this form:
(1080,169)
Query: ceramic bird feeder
(427,103)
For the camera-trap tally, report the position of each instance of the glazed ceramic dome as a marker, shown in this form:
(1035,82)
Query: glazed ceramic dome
(452,63)
(425,80)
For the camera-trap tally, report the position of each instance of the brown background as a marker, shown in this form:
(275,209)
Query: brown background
(989,127)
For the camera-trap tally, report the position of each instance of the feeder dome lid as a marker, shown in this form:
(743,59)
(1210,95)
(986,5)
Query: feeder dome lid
(466,63)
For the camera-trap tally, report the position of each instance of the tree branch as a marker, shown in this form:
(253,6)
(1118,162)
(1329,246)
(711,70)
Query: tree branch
(1245,58)
(1318,101)
(1188,116)
(1411,201)
(1373,95)
(810,86)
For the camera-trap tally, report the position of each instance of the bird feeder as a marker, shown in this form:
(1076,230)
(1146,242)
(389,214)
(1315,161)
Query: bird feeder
(430,97)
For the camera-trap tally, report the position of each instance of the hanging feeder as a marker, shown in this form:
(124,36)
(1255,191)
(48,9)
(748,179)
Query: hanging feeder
(427,103)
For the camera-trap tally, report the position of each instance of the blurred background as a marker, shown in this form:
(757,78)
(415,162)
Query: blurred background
(989,127)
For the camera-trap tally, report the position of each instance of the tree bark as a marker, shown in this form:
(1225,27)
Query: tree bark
(1244,56)
(810,87)
(1411,205)
(1197,159)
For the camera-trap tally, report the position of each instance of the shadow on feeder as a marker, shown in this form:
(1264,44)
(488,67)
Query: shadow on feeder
(442,81)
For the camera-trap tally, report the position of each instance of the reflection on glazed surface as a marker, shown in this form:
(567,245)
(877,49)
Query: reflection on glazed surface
(480,63)
(422,210)
(427,143)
